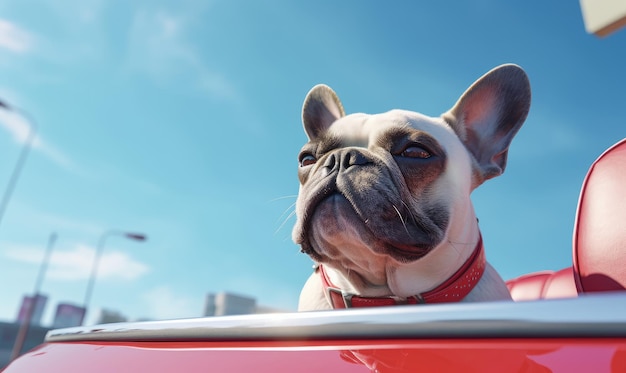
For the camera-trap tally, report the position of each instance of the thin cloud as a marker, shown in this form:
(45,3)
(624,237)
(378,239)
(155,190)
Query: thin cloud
(20,129)
(13,38)
(17,126)
(57,156)
(158,46)
(76,264)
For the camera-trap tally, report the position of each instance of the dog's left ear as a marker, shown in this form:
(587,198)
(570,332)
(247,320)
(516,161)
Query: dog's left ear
(320,109)
(489,114)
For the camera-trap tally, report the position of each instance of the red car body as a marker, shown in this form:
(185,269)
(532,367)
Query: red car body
(584,334)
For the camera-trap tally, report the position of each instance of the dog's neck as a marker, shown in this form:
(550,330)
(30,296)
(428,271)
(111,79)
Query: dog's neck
(425,274)
(454,289)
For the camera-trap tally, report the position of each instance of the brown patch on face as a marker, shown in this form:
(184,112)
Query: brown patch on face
(419,156)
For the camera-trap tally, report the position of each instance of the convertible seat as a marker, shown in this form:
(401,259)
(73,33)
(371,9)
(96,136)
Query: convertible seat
(600,227)
(599,242)
(543,285)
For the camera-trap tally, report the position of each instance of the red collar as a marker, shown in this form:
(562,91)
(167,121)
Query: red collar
(452,290)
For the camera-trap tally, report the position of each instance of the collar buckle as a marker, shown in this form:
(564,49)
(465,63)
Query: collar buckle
(338,294)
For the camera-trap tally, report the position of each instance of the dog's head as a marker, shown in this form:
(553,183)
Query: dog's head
(389,187)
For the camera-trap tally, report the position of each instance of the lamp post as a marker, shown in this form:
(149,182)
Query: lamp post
(23,330)
(17,169)
(96,261)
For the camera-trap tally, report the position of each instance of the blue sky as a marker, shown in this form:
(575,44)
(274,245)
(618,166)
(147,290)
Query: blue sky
(181,120)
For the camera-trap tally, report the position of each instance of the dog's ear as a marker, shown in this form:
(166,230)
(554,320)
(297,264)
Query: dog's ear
(321,108)
(489,114)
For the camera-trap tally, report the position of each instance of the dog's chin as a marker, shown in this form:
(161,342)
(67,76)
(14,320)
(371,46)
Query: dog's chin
(335,231)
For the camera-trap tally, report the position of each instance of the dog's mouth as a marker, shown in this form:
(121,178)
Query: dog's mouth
(334,223)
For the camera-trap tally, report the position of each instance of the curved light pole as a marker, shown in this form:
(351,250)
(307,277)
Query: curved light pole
(32,130)
(96,261)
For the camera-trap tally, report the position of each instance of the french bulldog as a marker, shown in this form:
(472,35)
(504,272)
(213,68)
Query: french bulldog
(384,205)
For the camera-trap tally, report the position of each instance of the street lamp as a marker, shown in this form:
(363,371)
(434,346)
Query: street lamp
(30,308)
(96,261)
(32,130)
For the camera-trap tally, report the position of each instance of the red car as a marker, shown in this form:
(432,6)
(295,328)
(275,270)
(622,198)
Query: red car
(584,331)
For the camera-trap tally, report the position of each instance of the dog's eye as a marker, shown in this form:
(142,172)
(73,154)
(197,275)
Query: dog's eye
(415,151)
(307,160)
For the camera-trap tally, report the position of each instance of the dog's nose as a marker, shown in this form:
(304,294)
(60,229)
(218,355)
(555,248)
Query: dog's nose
(344,159)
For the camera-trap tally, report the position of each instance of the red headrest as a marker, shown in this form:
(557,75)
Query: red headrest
(600,228)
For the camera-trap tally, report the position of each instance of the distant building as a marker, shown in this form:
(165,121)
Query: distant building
(222,304)
(68,315)
(39,302)
(110,316)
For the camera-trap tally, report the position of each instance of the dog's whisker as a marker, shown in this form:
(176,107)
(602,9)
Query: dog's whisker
(290,207)
(408,208)
(291,214)
(401,219)
(283,197)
